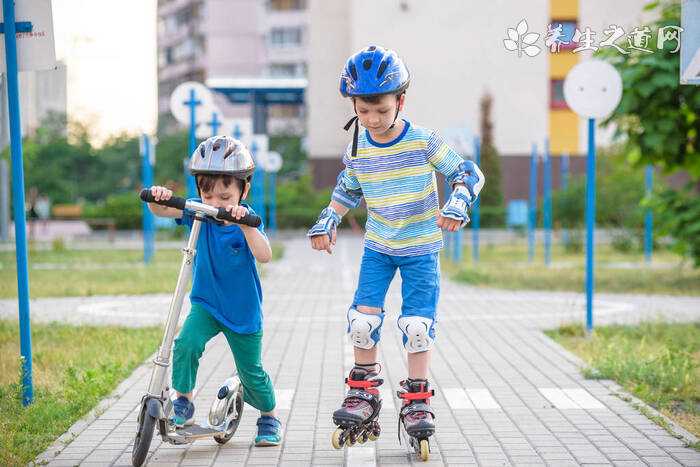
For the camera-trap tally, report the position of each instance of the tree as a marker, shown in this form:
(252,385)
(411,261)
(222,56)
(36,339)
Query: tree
(658,116)
(491,197)
(660,120)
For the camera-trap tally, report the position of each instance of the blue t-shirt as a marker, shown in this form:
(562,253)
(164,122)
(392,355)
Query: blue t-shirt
(225,280)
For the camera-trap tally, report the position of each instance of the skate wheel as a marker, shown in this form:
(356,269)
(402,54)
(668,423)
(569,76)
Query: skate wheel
(336,439)
(349,442)
(372,437)
(424,450)
(362,439)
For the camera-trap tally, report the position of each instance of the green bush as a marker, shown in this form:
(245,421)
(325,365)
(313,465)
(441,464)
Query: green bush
(298,203)
(677,213)
(125,208)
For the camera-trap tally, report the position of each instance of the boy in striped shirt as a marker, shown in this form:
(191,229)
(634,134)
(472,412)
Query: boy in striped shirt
(392,164)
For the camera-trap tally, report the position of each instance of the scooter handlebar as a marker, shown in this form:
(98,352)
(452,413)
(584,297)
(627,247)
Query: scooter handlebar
(251,220)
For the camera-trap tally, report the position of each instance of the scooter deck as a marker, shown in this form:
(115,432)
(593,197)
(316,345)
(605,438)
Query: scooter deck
(193,432)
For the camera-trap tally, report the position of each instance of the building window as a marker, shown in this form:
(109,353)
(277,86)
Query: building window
(556,94)
(287,70)
(285,37)
(564,30)
(286,5)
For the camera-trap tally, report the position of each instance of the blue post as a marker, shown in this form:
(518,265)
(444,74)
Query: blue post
(564,166)
(547,205)
(476,214)
(147,181)
(237,132)
(648,216)
(272,222)
(532,218)
(258,188)
(214,123)
(448,235)
(10,29)
(590,222)
(192,102)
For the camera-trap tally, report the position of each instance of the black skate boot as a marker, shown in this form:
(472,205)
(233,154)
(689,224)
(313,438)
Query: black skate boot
(416,418)
(357,417)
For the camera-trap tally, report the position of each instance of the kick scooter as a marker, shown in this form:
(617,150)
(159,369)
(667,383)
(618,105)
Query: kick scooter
(156,405)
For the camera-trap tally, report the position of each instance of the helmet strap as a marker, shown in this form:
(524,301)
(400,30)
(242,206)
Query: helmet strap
(398,100)
(347,126)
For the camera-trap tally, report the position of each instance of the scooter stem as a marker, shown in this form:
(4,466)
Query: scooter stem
(162,360)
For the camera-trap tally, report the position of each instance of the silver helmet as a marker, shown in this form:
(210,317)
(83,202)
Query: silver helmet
(222,155)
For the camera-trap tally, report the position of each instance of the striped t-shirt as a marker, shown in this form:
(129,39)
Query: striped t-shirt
(397,180)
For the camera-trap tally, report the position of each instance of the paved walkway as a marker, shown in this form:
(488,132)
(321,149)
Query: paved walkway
(506,394)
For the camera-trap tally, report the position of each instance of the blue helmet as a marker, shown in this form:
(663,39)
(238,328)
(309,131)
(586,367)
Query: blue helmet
(374,71)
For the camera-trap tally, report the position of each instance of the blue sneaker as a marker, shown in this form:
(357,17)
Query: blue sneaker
(269,431)
(183,412)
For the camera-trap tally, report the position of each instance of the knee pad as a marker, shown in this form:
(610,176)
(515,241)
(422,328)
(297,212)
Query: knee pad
(418,333)
(364,328)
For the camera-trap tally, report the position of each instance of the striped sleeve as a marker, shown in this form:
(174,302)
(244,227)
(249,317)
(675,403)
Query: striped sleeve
(347,190)
(442,157)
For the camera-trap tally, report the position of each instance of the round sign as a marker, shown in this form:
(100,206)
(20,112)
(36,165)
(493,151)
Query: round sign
(593,88)
(274,162)
(181,95)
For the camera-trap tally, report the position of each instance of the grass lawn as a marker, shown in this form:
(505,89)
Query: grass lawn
(657,362)
(65,273)
(506,267)
(74,368)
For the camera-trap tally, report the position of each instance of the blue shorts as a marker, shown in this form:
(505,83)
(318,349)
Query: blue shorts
(420,288)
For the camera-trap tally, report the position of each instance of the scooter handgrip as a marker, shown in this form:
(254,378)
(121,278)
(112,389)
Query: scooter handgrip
(249,219)
(174,202)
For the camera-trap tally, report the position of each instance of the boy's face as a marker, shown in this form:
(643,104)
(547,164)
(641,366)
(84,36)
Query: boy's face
(377,118)
(221,196)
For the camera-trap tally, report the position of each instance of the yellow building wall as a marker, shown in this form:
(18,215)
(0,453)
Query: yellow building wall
(563,123)
(563,9)
(563,132)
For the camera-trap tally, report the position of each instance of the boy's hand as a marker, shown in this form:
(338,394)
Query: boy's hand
(449,224)
(322,242)
(160,193)
(323,232)
(237,212)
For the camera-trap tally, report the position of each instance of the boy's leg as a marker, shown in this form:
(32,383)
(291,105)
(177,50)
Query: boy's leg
(199,328)
(376,272)
(257,386)
(420,291)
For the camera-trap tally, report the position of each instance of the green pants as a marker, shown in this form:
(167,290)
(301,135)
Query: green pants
(199,328)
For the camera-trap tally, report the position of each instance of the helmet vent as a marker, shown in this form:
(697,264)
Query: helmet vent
(382,68)
(216,147)
(372,48)
(367,64)
(201,151)
(353,71)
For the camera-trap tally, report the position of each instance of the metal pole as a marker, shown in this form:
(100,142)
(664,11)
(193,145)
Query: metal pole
(18,200)
(4,202)
(147,179)
(590,222)
(272,225)
(189,179)
(532,218)
(648,216)
(547,205)
(564,166)
(476,214)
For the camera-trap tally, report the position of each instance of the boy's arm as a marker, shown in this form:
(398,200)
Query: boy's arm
(258,243)
(347,194)
(464,176)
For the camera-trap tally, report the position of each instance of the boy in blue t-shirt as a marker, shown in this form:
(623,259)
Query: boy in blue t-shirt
(226,294)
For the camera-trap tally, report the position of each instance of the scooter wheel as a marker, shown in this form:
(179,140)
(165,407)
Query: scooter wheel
(424,450)
(337,439)
(144,436)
